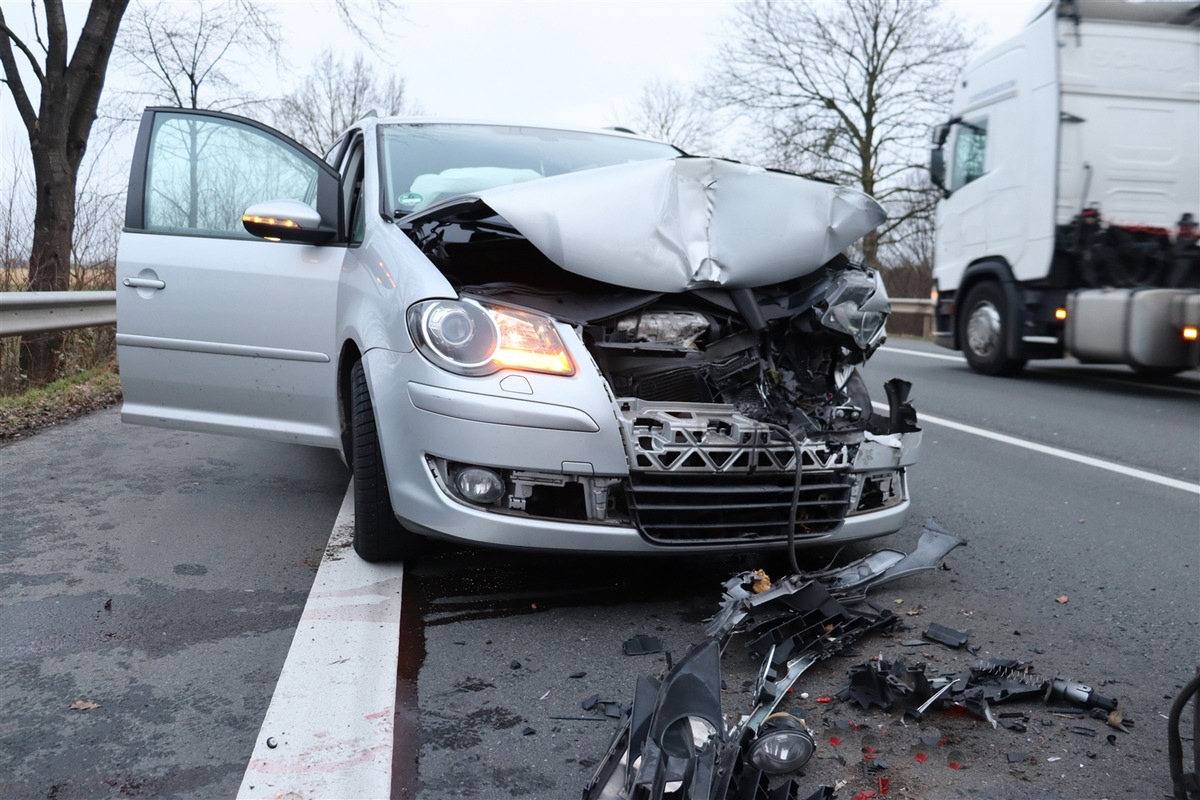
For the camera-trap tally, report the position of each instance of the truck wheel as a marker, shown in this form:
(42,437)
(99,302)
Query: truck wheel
(983,331)
(378,535)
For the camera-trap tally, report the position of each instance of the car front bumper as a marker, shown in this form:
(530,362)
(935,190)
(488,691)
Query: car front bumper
(540,430)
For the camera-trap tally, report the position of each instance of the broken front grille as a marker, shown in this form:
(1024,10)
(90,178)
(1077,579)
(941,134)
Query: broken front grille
(702,473)
(681,508)
(705,438)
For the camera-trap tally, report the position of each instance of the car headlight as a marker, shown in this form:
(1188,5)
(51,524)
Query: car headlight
(469,337)
(858,307)
(783,745)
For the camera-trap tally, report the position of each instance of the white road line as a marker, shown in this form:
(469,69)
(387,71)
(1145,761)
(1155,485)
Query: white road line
(332,713)
(1120,469)
(942,356)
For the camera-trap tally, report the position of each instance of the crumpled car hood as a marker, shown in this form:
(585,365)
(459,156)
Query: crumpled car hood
(680,224)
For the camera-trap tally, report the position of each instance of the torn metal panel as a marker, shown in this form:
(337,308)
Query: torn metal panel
(680,224)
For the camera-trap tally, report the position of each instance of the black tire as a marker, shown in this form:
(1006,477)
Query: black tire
(378,535)
(983,331)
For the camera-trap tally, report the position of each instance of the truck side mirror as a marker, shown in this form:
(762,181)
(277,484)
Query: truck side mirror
(937,156)
(937,168)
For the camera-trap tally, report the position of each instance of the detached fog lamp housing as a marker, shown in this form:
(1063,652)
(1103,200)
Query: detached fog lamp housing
(783,745)
(479,485)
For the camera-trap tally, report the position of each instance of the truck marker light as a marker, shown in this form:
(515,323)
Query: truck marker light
(1189,333)
(1060,314)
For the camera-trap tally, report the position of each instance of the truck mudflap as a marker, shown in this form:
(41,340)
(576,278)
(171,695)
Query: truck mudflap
(1144,328)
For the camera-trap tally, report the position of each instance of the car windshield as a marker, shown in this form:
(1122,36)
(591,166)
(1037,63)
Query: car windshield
(424,163)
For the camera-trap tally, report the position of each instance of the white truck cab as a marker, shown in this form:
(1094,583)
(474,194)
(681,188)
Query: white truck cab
(1070,172)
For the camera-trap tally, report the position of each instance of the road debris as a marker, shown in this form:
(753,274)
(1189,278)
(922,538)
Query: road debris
(947,636)
(642,645)
(83,705)
(676,741)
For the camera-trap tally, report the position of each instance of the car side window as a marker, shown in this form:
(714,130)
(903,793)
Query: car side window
(970,152)
(203,172)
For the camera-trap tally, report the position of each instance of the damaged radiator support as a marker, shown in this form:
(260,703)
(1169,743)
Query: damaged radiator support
(676,743)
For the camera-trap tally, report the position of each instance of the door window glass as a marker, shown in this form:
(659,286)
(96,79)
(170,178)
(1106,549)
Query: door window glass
(203,172)
(970,151)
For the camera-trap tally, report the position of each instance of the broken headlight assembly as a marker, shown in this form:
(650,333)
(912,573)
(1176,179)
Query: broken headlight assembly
(469,337)
(858,306)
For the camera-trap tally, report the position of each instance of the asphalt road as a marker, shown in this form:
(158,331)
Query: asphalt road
(158,575)
(176,528)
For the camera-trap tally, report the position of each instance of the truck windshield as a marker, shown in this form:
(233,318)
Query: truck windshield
(425,163)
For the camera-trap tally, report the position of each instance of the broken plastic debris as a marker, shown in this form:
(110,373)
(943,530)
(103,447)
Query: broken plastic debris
(514,664)
(83,705)
(1052,759)
(642,645)
(579,674)
(956,760)
(1062,598)
(947,636)
(527,731)
(1017,756)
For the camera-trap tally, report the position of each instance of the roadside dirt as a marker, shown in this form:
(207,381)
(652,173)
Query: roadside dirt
(20,420)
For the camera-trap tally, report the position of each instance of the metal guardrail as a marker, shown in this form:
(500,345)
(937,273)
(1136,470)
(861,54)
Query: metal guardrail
(23,313)
(37,312)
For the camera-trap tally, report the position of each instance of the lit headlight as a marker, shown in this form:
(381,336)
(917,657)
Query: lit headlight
(469,337)
(783,745)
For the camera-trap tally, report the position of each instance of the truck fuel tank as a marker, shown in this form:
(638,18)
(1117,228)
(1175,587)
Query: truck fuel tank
(1140,327)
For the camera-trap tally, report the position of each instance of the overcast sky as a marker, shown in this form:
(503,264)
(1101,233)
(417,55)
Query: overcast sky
(568,62)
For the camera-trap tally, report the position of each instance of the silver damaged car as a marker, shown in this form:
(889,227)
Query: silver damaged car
(517,336)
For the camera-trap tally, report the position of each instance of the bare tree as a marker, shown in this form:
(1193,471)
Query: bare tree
(675,114)
(66,86)
(195,54)
(334,95)
(846,91)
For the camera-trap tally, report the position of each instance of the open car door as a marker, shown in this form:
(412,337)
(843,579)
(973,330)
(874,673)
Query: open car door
(219,330)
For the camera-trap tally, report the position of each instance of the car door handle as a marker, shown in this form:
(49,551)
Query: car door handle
(144,283)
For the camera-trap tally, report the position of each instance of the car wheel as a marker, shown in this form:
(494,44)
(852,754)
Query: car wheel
(378,535)
(984,331)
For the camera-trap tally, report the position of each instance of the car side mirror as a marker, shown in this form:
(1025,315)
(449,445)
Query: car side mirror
(286,220)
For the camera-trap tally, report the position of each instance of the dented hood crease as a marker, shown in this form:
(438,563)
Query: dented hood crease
(679,224)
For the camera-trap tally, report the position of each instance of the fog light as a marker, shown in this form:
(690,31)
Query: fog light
(1060,314)
(1190,333)
(479,485)
(783,745)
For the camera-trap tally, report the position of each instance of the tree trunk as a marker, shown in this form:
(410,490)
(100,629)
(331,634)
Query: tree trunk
(54,168)
(69,85)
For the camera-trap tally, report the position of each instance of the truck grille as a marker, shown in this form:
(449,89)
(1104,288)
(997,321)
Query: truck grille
(696,508)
